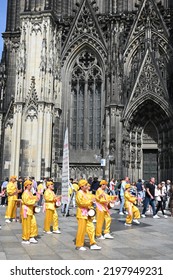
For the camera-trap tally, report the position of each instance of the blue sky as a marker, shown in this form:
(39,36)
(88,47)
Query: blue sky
(3,11)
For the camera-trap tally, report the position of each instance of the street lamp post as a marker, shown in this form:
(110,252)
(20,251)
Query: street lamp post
(103,163)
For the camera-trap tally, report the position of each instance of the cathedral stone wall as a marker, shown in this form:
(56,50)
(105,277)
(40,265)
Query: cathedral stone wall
(102,68)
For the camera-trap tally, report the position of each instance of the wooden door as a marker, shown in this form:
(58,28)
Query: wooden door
(150,164)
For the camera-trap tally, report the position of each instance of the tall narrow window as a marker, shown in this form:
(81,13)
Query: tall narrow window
(86,88)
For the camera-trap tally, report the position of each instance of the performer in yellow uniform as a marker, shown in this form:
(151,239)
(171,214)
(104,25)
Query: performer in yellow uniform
(51,216)
(40,190)
(75,188)
(12,193)
(133,211)
(85,225)
(29,225)
(103,214)
(92,197)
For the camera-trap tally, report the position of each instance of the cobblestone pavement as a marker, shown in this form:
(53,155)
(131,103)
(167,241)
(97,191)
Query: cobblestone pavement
(152,239)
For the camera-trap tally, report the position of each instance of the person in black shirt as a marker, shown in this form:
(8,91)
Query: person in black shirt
(140,193)
(149,198)
(95,185)
(20,187)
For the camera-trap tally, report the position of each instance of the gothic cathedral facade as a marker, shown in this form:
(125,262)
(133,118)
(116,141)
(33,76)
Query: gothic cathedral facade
(102,68)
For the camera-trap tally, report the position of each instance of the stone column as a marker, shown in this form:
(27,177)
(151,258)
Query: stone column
(118,150)
(40,139)
(47,147)
(15,142)
(106,152)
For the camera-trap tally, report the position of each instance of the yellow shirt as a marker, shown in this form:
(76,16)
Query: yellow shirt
(84,203)
(11,189)
(40,188)
(103,200)
(129,199)
(49,197)
(75,187)
(28,202)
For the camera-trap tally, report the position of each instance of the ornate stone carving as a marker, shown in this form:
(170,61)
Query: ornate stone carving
(43,63)
(31,106)
(31,113)
(9,118)
(21,61)
(133,154)
(85,30)
(139,156)
(150,134)
(36,27)
(112,146)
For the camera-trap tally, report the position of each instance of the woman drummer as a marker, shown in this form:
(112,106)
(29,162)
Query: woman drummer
(51,216)
(85,225)
(29,225)
(103,214)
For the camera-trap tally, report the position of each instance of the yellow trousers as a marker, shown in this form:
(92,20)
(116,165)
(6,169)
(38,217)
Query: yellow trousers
(29,227)
(134,215)
(11,208)
(85,226)
(51,218)
(103,216)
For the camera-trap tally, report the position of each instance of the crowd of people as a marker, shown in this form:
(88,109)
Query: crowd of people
(93,199)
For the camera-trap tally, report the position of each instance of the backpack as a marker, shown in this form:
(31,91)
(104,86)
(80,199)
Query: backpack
(117,186)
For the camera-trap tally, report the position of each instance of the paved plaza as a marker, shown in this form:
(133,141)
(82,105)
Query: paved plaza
(152,239)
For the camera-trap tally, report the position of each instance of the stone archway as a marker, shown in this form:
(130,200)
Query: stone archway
(148,128)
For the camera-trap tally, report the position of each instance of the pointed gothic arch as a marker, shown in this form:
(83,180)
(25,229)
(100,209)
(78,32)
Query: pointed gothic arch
(84,76)
(150,133)
(147,131)
(141,100)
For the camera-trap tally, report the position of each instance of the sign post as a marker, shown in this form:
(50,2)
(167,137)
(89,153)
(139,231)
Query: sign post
(65,172)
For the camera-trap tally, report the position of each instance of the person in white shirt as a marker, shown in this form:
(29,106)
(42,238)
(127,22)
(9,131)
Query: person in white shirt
(122,190)
(168,186)
(159,199)
(112,186)
(164,194)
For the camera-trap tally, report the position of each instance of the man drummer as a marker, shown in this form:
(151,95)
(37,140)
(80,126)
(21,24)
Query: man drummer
(103,213)
(51,216)
(85,225)
(29,224)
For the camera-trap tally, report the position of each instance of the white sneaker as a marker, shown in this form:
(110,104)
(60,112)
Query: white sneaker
(81,248)
(143,216)
(156,217)
(25,242)
(100,237)
(13,220)
(7,221)
(33,240)
(48,232)
(57,231)
(121,213)
(165,216)
(108,236)
(95,247)
(128,225)
(136,221)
